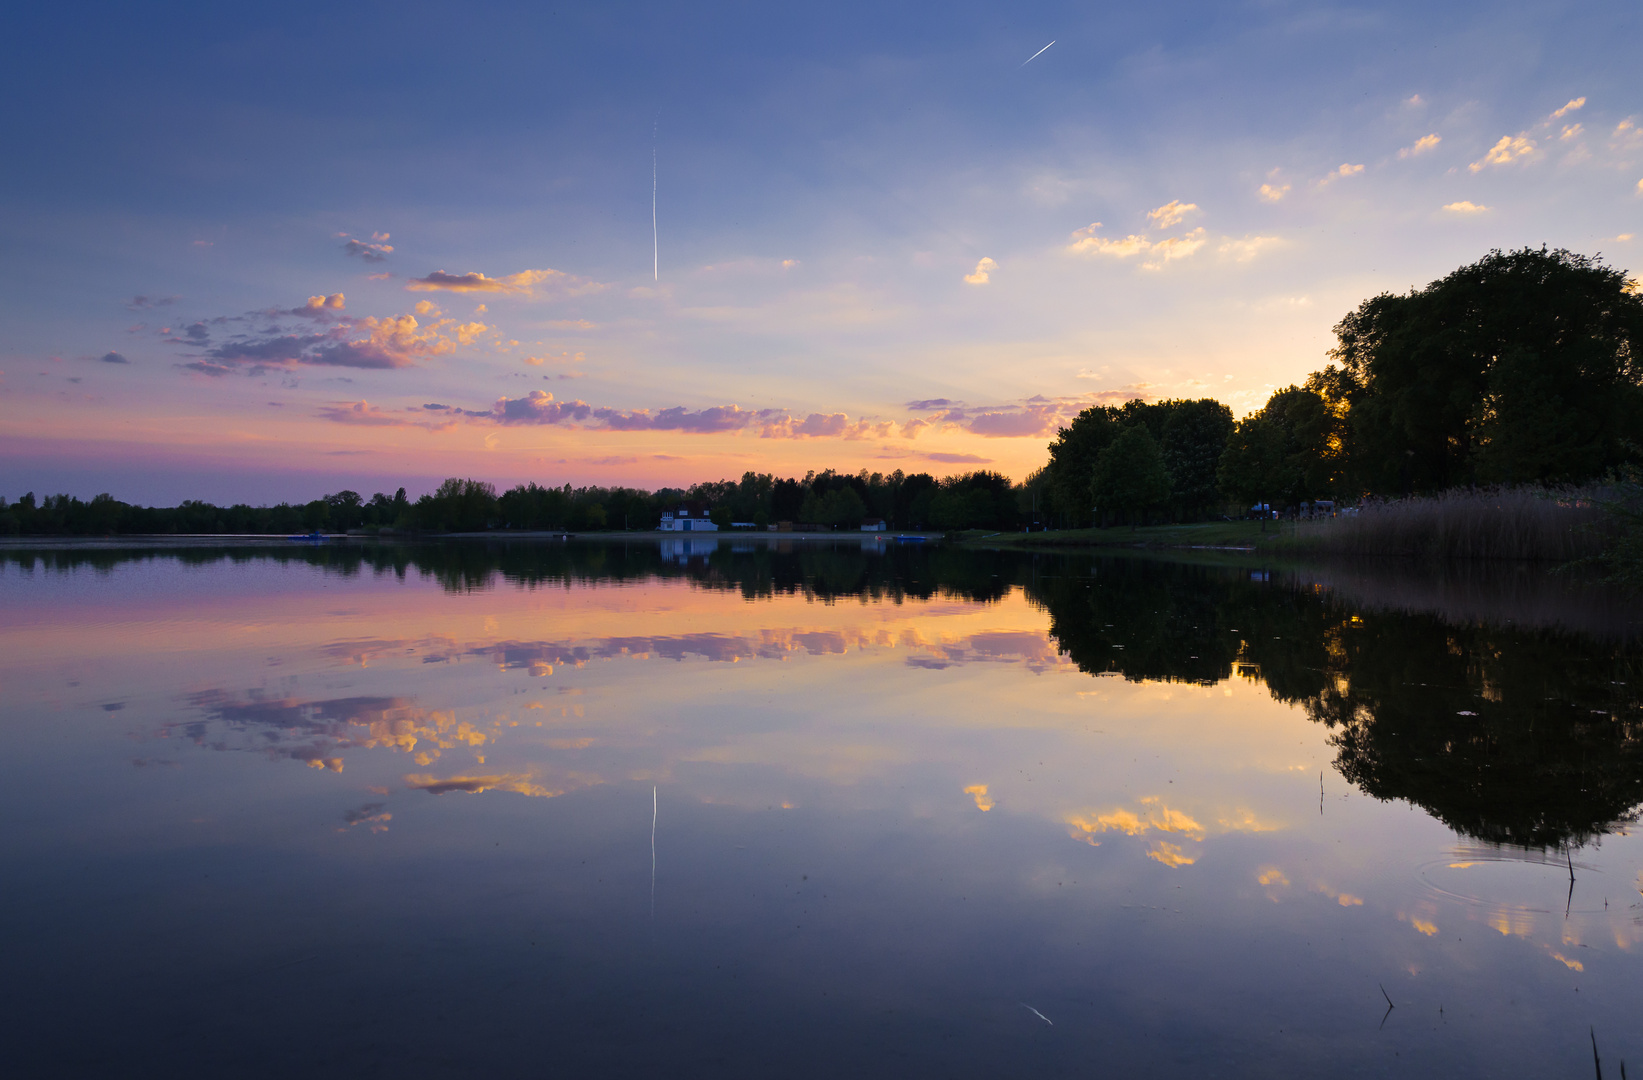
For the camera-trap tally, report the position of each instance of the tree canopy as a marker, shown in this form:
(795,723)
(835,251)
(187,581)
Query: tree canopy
(1522,367)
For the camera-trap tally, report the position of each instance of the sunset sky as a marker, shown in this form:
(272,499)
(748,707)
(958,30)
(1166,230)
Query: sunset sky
(265,254)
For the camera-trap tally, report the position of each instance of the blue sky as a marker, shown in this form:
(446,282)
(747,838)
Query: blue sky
(181,180)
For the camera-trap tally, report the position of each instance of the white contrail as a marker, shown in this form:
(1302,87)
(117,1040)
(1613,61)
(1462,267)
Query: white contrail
(655,247)
(653,851)
(1034,56)
(1023,1004)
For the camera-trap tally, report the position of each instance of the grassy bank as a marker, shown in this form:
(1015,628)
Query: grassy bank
(1538,524)
(1232,534)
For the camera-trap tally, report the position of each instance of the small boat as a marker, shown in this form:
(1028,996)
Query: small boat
(902,539)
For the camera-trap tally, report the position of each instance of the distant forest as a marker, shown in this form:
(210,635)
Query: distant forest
(1525,367)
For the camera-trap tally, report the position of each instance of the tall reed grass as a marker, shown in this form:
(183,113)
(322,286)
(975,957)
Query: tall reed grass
(1529,523)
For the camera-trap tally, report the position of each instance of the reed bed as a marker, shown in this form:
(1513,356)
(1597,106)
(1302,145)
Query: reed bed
(1526,523)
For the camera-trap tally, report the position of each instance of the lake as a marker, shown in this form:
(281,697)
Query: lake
(747,808)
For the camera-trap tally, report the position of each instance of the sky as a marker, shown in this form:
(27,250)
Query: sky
(265,252)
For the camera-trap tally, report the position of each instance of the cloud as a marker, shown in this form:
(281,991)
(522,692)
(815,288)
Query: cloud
(373,250)
(206,367)
(1085,242)
(1175,247)
(1571,131)
(930,403)
(525,283)
(143,303)
(960,459)
(1272,194)
(983,269)
(467,332)
(319,307)
(372,815)
(1340,174)
(1465,206)
(1510,148)
(1153,816)
(1250,246)
(1031,417)
(364,414)
(519,783)
(113,358)
(539,407)
(395,341)
(565,357)
(1573,106)
(1171,213)
(1422,145)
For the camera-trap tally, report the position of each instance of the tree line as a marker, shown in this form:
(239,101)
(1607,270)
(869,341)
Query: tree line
(1525,367)
(827,499)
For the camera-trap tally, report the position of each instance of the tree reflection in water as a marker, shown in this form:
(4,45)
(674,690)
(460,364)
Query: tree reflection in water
(1505,703)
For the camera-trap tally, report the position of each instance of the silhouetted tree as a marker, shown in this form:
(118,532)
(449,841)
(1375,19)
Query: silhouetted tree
(1525,366)
(1129,475)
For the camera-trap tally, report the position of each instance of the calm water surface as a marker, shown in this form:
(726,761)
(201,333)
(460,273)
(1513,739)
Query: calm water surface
(738,810)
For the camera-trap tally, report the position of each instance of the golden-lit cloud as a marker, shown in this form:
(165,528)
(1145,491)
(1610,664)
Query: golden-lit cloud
(1171,213)
(982,271)
(1341,173)
(978,792)
(1271,876)
(1170,854)
(468,332)
(1465,206)
(526,283)
(334,302)
(1344,899)
(1574,105)
(1085,242)
(376,249)
(1272,193)
(1572,131)
(1175,247)
(1510,148)
(426,308)
(1247,248)
(1153,816)
(518,783)
(1421,146)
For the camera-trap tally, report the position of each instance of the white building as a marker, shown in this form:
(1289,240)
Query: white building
(873,525)
(687,517)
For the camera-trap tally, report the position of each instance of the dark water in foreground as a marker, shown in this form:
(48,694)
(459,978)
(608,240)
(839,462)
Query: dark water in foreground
(834,810)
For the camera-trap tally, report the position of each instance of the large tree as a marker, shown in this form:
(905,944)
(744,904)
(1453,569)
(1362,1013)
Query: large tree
(1129,475)
(1190,434)
(1522,367)
(1284,454)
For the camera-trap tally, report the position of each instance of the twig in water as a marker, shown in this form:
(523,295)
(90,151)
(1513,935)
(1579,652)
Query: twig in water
(1570,902)
(1036,1013)
(1597,1062)
(1387,996)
